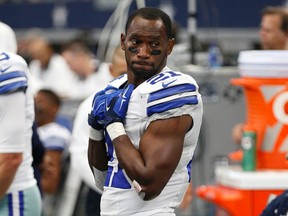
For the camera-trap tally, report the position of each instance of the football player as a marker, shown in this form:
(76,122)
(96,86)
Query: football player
(19,194)
(145,125)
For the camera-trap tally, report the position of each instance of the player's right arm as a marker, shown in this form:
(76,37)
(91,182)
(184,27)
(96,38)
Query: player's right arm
(13,84)
(12,124)
(98,160)
(97,154)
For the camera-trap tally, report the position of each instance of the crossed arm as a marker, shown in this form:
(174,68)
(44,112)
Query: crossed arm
(158,155)
(160,148)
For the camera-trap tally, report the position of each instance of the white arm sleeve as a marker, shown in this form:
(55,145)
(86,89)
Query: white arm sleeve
(12,122)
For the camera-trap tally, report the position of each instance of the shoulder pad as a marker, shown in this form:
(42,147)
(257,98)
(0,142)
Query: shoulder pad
(166,80)
(13,73)
(119,81)
(169,90)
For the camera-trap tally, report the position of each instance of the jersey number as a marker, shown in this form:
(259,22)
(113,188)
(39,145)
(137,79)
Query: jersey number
(162,76)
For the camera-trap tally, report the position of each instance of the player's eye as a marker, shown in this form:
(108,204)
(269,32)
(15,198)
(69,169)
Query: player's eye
(135,41)
(154,44)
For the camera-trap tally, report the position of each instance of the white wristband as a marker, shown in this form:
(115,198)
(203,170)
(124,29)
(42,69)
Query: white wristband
(99,177)
(115,130)
(96,135)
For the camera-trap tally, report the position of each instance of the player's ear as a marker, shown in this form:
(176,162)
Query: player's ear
(171,43)
(123,37)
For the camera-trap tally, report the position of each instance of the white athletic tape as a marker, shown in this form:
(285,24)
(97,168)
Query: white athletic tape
(96,135)
(115,130)
(99,177)
(138,189)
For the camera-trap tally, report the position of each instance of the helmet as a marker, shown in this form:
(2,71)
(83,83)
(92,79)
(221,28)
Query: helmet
(8,42)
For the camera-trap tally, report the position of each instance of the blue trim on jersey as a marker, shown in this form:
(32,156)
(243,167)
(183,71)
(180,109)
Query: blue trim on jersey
(189,166)
(20,198)
(168,105)
(21,203)
(166,92)
(119,180)
(11,75)
(110,147)
(14,85)
(10,205)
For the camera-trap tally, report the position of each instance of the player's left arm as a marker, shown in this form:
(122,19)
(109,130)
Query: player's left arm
(160,150)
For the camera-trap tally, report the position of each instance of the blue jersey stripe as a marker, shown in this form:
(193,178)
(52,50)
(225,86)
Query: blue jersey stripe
(13,81)
(10,204)
(172,104)
(119,180)
(11,75)
(110,147)
(166,92)
(16,86)
(21,203)
(189,166)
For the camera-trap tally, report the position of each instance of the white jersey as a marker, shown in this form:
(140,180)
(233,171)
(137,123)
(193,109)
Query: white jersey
(14,89)
(54,136)
(57,76)
(80,135)
(165,95)
(82,88)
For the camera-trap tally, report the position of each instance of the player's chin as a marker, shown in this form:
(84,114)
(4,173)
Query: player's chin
(144,74)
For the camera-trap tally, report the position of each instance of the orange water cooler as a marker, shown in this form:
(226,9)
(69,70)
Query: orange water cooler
(264,78)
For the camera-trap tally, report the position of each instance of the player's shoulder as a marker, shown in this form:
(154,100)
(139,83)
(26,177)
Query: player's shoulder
(13,73)
(13,60)
(168,80)
(169,91)
(119,81)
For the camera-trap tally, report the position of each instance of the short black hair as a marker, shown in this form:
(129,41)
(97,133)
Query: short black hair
(151,13)
(53,97)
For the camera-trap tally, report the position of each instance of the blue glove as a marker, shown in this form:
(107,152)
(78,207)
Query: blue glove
(117,105)
(97,115)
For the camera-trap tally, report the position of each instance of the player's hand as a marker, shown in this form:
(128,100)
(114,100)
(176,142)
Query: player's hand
(97,115)
(117,105)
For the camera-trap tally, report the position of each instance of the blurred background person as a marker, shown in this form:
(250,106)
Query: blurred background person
(80,134)
(56,139)
(48,68)
(17,182)
(274,28)
(273,35)
(38,152)
(86,67)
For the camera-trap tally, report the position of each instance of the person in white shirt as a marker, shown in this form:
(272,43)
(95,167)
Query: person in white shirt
(80,134)
(19,194)
(87,68)
(49,69)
